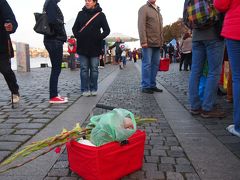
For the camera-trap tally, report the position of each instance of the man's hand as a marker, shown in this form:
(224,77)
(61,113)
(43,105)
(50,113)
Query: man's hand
(144,45)
(8,27)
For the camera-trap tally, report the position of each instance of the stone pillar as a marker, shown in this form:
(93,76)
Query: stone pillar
(23,57)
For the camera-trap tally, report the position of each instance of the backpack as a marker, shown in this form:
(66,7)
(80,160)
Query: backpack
(199,14)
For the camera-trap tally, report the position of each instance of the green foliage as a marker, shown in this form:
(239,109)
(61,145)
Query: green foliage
(174,30)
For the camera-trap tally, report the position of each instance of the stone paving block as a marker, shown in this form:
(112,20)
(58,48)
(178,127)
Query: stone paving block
(43,116)
(14,138)
(155,175)
(166,167)
(174,176)
(23,120)
(192,176)
(184,168)
(4,154)
(3,117)
(175,153)
(58,172)
(158,152)
(63,157)
(6,131)
(61,164)
(43,121)
(154,142)
(182,161)
(7,126)
(176,148)
(152,159)
(26,131)
(30,126)
(22,116)
(137,175)
(168,160)
(149,167)
(9,146)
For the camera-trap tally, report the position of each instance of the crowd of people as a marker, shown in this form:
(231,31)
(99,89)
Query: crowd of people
(198,46)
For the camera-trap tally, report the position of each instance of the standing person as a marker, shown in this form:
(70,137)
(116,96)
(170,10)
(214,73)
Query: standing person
(54,46)
(134,55)
(72,48)
(151,38)
(230,31)
(171,52)
(118,51)
(186,49)
(8,25)
(206,44)
(89,41)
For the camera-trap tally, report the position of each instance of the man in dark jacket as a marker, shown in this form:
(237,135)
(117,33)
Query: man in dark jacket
(8,25)
(118,51)
(54,46)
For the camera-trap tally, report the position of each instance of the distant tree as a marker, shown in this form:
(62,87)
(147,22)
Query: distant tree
(174,30)
(167,36)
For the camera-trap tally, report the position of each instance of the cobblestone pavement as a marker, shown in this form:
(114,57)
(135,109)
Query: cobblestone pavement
(164,158)
(176,82)
(34,112)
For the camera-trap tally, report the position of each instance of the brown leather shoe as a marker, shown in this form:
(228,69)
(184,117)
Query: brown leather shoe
(196,111)
(213,114)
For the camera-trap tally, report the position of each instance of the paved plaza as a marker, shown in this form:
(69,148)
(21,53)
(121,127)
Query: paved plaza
(178,146)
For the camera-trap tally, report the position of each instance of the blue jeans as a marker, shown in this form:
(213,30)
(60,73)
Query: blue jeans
(213,51)
(233,48)
(89,73)
(124,60)
(150,66)
(55,51)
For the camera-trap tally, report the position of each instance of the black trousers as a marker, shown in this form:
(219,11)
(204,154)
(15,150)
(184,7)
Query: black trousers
(7,72)
(55,51)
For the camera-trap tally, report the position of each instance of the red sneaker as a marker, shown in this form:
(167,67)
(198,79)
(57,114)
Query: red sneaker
(58,100)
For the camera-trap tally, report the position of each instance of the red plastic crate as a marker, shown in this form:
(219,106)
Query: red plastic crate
(164,64)
(107,162)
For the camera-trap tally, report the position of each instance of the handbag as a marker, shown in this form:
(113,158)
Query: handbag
(42,25)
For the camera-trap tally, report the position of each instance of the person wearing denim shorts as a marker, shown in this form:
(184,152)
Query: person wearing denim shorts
(151,38)
(89,44)
(230,31)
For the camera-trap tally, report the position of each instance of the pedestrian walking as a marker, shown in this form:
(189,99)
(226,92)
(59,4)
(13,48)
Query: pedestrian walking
(90,28)
(118,51)
(54,46)
(230,31)
(206,45)
(8,25)
(151,38)
(72,48)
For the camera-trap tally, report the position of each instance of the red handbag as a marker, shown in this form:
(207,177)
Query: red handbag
(107,162)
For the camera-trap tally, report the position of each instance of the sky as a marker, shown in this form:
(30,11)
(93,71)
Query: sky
(121,15)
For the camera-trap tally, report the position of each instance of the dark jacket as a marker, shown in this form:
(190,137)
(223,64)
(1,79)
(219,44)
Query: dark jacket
(118,50)
(6,15)
(90,39)
(56,21)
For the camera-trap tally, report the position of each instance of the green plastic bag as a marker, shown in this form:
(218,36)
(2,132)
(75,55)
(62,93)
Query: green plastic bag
(109,127)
